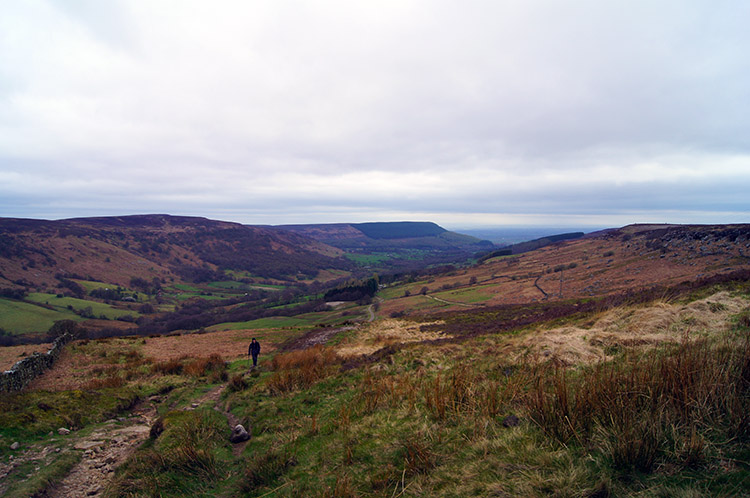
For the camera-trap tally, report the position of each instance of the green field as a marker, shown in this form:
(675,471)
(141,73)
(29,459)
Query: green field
(468,295)
(300,321)
(89,285)
(273,322)
(18,317)
(228,285)
(97,309)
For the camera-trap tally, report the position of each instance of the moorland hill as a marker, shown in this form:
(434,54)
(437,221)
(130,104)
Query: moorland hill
(168,248)
(615,364)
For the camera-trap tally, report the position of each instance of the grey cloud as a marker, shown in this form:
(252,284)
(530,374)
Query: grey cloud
(349,109)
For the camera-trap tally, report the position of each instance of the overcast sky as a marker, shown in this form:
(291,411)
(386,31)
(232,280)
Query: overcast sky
(466,113)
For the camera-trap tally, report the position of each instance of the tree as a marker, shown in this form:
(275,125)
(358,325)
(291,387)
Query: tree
(62,327)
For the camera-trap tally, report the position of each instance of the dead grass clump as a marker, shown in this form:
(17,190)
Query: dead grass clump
(301,369)
(169,367)
(388,332)
(416,455)
(237,383)
(649,406)
(213,366)
(342,488)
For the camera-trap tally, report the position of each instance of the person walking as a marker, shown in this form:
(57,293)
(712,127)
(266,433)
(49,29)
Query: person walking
(254,351)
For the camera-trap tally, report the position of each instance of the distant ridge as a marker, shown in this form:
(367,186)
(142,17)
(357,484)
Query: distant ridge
(399,229)
(380,235)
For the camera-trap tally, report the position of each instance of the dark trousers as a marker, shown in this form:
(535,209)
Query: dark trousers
(255,360)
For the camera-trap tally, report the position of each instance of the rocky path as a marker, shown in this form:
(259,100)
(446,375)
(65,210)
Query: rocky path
(104,450)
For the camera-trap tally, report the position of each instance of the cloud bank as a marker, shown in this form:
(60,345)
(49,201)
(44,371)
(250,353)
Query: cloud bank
(467,114)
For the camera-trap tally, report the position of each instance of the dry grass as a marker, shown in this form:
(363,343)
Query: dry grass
(303,368)
(625,327)
(9,355)
(650,406)
(385,333)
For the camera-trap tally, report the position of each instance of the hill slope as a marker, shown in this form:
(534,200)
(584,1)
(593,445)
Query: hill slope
(399,244)
(174,248)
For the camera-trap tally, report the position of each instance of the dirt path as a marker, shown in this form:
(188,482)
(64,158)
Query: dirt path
(314,337)
(110,445)
(214,396)
(104,450)
(452,302)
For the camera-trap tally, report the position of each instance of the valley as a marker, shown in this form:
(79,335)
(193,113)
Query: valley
(615,363)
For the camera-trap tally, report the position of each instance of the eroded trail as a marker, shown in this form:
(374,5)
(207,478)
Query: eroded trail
(104,450)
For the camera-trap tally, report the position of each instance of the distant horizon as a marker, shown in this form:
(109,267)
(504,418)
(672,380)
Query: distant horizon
(533,223)
(531,113)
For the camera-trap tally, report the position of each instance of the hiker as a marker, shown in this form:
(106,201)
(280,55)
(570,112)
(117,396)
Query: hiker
(254,351)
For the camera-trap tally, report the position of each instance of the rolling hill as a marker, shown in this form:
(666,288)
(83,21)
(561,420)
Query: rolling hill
(168,248)
(392,245)
(614,364)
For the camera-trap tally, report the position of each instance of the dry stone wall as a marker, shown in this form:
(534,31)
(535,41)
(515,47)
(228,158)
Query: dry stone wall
(29,368)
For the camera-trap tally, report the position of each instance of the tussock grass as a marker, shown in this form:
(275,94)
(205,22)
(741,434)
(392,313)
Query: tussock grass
(184,459)
(301,369)
(212,366)
(650,409)
(265,468)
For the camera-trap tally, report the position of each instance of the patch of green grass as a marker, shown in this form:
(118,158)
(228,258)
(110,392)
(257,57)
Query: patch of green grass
(227,284)
(468,295)
(370,259)
(186,288)
(19,317)
(273,322)
(38,481)
(89,285)
(186,459)
(28,415)
(67,303)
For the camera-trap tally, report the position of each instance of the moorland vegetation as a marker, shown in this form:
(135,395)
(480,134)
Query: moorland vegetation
(610,365)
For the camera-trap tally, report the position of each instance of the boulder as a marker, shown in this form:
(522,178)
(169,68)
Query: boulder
(63,431)
(239,434)
(15,446)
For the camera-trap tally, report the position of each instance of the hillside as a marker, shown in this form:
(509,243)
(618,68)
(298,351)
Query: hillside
(169,248)
(605,263)
(394,244)
(616,364)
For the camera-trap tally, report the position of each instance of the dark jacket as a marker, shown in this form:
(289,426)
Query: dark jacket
(254,348)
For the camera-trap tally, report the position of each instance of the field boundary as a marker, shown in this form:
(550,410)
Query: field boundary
(26,370)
